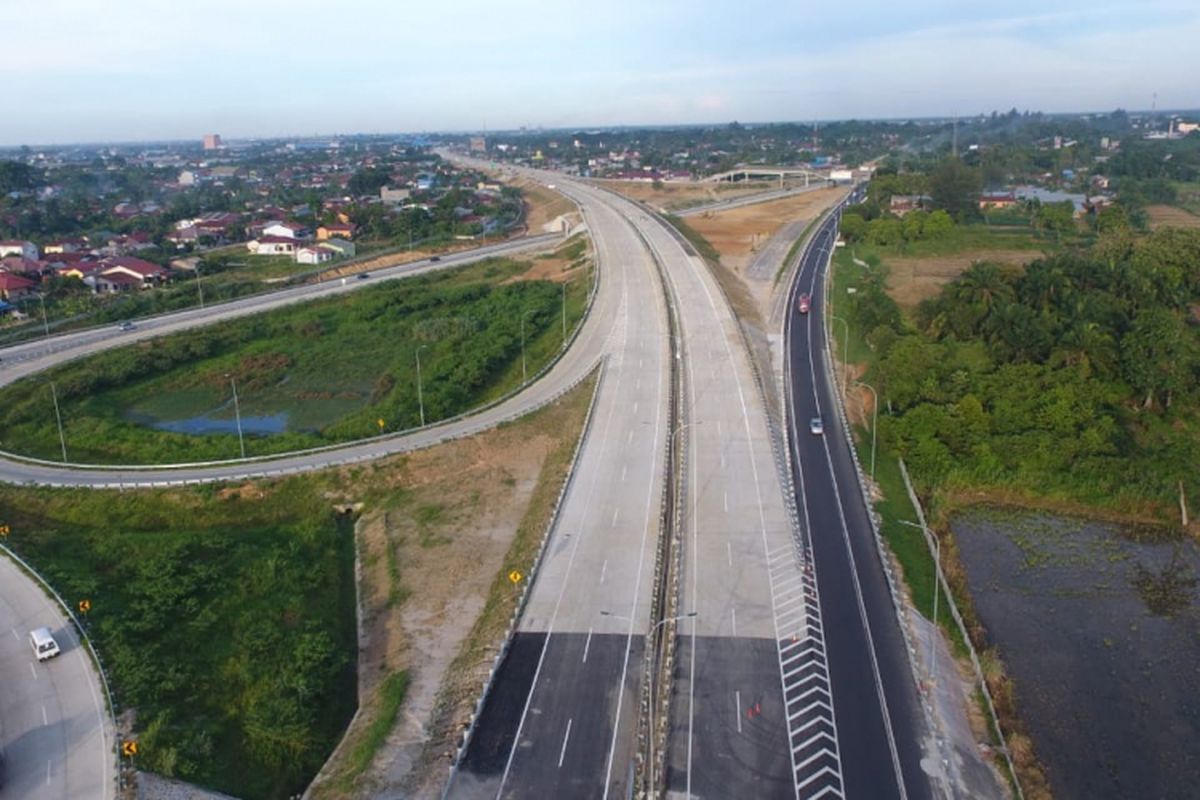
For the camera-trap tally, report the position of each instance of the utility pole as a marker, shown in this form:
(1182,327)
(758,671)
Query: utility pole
(200,288)
(524,369)
(564,313)
(62,439)
(237,412)
(420,396)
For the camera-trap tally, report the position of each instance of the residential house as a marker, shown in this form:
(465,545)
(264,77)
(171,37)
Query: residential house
(13,287)
(314,254)
(146,273)
(338,230)
(272,246)
(19,247)
(394,197)
(286,230)
(341,248)
(59,246)
(901,204)
(998,201)
(113,283)
(20,265)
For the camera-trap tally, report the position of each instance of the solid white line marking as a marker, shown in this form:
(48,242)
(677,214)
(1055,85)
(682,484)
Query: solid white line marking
(725,501)
(563,752)
(729,553)
(49,766)
(586,645)
(603,571)
(737,709)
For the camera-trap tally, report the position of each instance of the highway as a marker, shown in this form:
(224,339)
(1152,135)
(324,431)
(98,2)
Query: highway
(560,719)
(876,707)
(55,732)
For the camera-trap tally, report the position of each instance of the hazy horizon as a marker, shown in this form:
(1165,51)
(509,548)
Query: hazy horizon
(83,72)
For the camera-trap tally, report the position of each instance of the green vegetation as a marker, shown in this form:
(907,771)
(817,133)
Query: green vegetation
(698,242)
(1074,379)
(334,368)
(225,620)
(389,695)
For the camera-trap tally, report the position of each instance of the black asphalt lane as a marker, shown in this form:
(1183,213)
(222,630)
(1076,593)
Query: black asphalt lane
(739,735)
(552,759)
(867,762)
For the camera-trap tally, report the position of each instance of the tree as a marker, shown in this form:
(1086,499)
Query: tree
(1056,217)
(885,232)
(955,189)
(854,227)
(1159,356)
(938,225)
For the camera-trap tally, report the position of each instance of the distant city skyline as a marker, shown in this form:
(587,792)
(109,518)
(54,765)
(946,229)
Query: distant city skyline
(77,71)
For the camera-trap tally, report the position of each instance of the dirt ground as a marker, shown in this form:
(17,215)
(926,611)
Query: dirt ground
(1163,216)
(912,280)
(544,207)
(677,196)
(738,233)
(431,545)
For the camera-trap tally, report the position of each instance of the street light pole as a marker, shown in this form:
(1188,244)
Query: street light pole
(200,288)
(45,323)
(420,396)
(845,351)
(237,412)
(524,370)
(874,421)
(564,312)
(653,677)
(62,439)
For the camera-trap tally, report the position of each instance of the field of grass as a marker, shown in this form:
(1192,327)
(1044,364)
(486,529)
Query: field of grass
(325,372)
(225,620)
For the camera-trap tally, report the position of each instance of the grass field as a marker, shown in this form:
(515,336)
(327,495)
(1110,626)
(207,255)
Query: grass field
(225,619)
(325,372)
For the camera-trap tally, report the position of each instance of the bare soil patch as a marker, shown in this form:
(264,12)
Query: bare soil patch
(677,196)
(544,206)
(1170,216)
(912,280)
(738,233)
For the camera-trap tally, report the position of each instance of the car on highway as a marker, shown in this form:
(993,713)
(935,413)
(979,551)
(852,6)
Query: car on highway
(802,303)
(43,644)
(435,258)
(362,276)
(127,326)
(816,426)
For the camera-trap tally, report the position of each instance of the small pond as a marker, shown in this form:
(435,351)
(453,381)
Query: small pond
(1100,630)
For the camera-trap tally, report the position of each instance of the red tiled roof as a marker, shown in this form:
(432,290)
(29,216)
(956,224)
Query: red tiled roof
(143,268)
(10,282)
(275,240)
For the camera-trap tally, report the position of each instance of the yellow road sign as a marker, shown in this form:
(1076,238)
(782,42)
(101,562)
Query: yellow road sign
(129,748)
(5,530)
(85,606)
(515,576)
(380,423)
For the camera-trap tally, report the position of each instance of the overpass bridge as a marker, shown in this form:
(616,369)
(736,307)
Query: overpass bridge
(745,173)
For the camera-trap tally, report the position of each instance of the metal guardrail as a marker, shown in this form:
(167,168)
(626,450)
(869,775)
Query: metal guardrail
(87,641)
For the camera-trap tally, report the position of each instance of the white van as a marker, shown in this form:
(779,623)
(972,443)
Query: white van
(43,644)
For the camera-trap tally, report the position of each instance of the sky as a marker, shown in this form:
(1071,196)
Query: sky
(129,70)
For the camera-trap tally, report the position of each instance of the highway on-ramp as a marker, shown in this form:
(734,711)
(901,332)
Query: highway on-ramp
(55,732)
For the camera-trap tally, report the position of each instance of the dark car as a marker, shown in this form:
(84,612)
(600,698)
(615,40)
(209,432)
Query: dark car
(127,326)
(362,276)
(435,258)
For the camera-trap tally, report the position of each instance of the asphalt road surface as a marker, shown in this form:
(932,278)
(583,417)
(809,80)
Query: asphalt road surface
(876,708)
(54,729)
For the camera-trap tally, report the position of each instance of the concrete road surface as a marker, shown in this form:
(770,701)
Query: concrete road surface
(55,731)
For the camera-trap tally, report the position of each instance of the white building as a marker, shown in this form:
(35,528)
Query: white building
(286,230)
(272,246)
(313,255)
(19,247)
